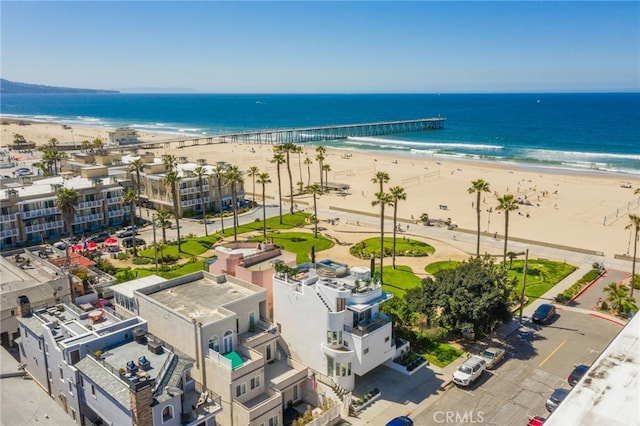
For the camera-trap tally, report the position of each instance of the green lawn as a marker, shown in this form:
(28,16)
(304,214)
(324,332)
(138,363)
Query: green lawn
(299,243)
(289,221)
(404,247)
(542,275)
(399,280)
(434,267)
(170,272)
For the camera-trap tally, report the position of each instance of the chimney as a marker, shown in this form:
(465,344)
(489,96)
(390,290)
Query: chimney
(141,398)
(24,306)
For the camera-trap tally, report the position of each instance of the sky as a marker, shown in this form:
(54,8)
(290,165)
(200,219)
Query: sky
(324,47)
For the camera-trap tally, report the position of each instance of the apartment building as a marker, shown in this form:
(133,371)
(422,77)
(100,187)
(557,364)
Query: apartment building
(220,322)
(329,315)
(123,136)
(252,262)
(28,212)
(155,192)
(103,369)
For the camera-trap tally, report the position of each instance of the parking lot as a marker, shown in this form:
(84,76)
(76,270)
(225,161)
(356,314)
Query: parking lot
(535,366)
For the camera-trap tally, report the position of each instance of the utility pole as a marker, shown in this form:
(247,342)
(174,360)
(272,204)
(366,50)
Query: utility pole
(72,292)
(524,283)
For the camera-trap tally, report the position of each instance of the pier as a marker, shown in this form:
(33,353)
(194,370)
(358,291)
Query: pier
(305,134)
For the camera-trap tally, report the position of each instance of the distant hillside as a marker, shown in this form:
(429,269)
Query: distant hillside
(10,87)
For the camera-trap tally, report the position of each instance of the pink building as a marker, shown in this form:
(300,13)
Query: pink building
(252,262)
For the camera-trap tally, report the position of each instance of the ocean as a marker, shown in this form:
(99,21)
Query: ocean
(596,132)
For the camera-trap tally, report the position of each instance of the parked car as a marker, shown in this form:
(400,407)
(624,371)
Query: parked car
(492,356)
(23,171)
(544,313)
(128,242)
(129,231)
(64,243)
(100,237)
(469,371)
(556,398)
(536,421)
(400,421)
(577,374)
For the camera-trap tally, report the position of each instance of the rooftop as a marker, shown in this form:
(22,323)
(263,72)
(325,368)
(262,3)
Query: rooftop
(610,392)
(199,296)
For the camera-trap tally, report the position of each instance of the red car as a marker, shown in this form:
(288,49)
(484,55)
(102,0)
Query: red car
(536,421)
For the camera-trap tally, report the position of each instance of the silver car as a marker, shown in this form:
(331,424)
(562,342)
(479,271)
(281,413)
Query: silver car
(493,356)
(556,398)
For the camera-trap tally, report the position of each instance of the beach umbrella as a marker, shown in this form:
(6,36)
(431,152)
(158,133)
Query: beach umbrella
(111,241)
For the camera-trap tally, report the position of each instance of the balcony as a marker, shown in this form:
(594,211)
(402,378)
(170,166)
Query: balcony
(11,217)
(368,326)
(88,218)
(48,211)
(115,213)
(8,233)
(44,226)
(114,200)
(206,405)
(89,204)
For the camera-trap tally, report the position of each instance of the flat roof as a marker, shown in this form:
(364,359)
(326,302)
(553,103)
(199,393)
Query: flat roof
(13,276)
(609,394)
(127,288)
(200,298)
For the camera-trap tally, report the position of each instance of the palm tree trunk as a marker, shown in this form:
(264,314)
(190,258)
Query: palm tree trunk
(204,211)
(478,217)
(395,227)
(506,236)
(264,215)
(235,212)
(315,216)
(133,224)
(279,193)
(381,239)
(176,212)
(633,264)
(290,184)
(221,209)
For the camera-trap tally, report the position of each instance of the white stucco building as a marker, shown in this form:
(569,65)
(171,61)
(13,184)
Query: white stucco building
(330,317)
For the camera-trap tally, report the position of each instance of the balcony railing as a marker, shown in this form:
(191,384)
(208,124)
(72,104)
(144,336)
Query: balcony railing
(116,213)
(114,200)
(11,217)
(90,204)
(368,326)
(8,233)
(48,211)
(44,226)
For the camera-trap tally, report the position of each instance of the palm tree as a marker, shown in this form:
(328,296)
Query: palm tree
(84,147)
(201,172)
(380,178)
(162,217)
(253,173)
(478,186)
(397,194)
(278,159)
(320,156)
(507,203)
(634,222)
(382,199)
(66,201)
(98,143)
(620,299)
(316,191)
(298,150)
(137,166)
(308,162)
(288,148)
(233,177)
(131,198)
(218,174)
(326,168)
(172,179)
(263,179)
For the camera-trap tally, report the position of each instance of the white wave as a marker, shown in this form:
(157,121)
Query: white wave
(442,145)
(574,155)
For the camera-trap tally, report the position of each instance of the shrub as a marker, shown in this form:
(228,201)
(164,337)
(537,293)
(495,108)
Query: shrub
(122,256)
(140,260)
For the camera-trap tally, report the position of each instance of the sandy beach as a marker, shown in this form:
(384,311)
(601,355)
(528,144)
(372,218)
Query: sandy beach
(584,210)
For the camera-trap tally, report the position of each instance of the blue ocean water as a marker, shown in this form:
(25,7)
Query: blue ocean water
(579,131)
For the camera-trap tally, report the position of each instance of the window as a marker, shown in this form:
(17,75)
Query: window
(386,339)
(70,387)
(269,353)
(213,344)
(255,382)
(241,390)
(273,421)
(93,390)
(82,381)
(295,392)
(13,312)
(61,372)
(340,304)
(349,369)
(366,351)
(167,413)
